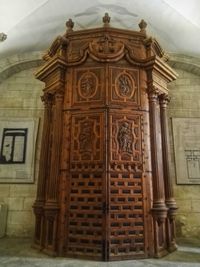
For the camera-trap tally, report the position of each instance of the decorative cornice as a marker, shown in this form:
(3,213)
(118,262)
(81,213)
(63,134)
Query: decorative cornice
(47,69)
(157,64)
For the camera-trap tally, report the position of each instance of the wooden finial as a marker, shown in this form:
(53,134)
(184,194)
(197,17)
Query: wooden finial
(106,20)
(3,37)
(70,25)
(142,25)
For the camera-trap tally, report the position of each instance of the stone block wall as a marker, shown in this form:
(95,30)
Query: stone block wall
(185,103)
(20,98)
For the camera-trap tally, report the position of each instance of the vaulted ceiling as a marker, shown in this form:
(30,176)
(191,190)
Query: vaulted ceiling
(32,25)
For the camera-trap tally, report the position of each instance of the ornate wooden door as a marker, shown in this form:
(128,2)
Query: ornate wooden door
(104,189)
(106,206)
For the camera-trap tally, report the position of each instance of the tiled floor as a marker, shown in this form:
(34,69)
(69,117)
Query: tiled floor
(18,253)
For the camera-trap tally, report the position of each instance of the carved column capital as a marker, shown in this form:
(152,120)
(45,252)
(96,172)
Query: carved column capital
(59,95)
(47,98)
(153,94)
(54,98)
(164,100)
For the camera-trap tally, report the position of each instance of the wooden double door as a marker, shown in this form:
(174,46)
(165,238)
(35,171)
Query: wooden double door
(108,204)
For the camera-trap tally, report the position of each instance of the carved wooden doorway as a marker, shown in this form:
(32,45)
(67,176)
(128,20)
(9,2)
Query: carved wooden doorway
(104,189)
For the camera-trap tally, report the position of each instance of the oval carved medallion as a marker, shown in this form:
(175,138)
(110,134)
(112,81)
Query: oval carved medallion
(88,84)
(125,85)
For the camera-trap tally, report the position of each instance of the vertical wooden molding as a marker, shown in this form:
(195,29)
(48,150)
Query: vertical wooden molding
(169,194)
(43,170)
(52,193)
(52,205)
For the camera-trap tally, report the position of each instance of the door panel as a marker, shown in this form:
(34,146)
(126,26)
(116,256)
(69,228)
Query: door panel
(85,225)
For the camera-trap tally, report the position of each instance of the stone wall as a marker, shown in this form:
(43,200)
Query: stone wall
(20,98)
(185,103)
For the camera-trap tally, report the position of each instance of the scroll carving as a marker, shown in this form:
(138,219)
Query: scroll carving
(59,43)
(106,49)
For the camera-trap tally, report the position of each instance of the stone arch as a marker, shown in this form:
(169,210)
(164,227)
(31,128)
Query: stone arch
(187,63)
(19,62)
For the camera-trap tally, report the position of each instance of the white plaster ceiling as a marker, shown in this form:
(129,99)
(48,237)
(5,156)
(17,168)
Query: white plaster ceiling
(32,25)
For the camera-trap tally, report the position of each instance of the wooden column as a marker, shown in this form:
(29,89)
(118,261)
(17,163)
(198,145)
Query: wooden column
(159,209)
(169,195)
(43,171)
(52,206)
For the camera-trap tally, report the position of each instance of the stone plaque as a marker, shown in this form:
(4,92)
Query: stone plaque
(17,149)
(186,133)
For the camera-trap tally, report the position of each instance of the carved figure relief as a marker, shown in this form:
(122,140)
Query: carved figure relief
(86,136)
(124,85)
(88,85)
(125,137)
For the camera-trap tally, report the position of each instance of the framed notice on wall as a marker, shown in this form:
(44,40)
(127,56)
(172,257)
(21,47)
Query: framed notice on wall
(186,136)
(17,149)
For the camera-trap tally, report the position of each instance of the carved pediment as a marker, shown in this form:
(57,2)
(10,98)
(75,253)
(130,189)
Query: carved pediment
(58,43)
(153,47)
(106,49)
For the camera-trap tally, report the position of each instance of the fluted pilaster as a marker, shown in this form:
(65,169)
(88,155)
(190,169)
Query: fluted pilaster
(52,191)
(169,195)
(158,183)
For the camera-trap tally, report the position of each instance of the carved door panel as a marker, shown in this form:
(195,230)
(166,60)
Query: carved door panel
(127,209)
(87,178)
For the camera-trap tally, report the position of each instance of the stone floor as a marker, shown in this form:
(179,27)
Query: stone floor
(18,253)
